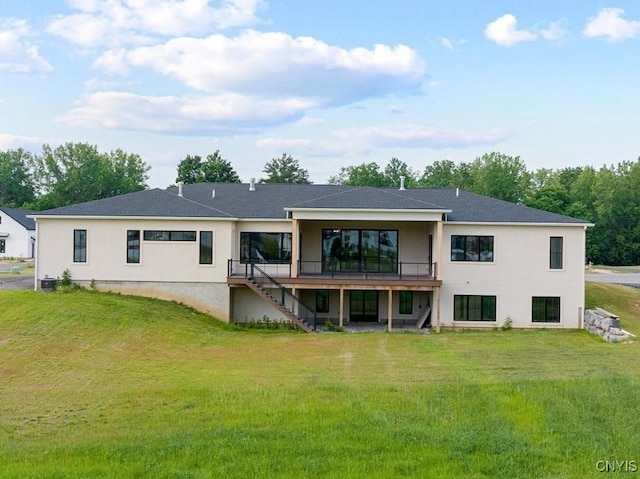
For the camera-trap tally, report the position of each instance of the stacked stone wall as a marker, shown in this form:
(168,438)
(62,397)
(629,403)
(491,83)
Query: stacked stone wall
(604,324)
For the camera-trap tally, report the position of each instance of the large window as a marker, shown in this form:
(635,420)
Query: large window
(353,250)
(164,235)
(79,246)
(406,302)
(474,308)
(545,309)
(206,247)
(133,246)
(555,252)
(265,247)
(472,248)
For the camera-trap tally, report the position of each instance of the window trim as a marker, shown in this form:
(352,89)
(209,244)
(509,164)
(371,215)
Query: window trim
(554,254)
(479,239)
(80,250)
(482,297)
(547,307)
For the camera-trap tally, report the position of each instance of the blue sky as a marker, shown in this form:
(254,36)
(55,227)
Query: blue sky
(332,83)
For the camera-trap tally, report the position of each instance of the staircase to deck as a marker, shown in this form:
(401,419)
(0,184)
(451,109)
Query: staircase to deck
(295,310)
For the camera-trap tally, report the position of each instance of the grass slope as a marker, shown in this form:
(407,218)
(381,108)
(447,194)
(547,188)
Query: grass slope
(101,385)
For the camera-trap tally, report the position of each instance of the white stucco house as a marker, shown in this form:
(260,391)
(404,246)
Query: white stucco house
(17,233)
(426,257)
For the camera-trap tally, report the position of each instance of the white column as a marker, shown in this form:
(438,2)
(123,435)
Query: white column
(295,247)
(390,310)
(341,320)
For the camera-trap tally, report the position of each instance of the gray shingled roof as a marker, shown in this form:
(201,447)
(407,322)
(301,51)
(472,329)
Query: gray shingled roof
(21,217)
(269,201)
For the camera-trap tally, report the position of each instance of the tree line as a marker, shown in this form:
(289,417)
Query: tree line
(608,196)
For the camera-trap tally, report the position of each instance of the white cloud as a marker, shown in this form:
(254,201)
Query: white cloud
(12,142)
(504,31)
(304,147)
(609,23)
(554,32)
(119,22)
(218,114)
(447,43)
(275,63)
(358,141)
(415,136)
(18,55)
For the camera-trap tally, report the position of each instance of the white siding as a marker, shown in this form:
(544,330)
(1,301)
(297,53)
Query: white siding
(17,238)
(520,270)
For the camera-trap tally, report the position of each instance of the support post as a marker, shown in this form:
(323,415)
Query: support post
(341,320)
(390,310)
(439,239)
(295,247)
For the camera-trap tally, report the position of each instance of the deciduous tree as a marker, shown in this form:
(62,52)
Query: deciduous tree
(285,170)
(16,181)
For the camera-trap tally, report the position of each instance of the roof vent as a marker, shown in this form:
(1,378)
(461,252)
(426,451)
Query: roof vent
(457,191)
(180,183)
(213,193)
(252,184)
(402,188)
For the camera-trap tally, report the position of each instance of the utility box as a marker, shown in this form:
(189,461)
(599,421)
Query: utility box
(48,284)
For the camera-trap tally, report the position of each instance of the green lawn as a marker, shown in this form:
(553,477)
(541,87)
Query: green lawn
(102,385)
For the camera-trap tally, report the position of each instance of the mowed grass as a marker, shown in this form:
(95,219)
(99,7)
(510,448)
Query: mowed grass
(102,385)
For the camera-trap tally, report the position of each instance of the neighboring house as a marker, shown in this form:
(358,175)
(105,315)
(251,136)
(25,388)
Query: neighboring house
(438,257)
(17,233)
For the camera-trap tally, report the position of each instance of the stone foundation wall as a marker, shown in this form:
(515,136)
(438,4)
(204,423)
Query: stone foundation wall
(604,324)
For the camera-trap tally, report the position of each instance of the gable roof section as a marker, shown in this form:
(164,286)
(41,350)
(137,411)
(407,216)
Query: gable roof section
(270,201)
(368,198)
(21,217)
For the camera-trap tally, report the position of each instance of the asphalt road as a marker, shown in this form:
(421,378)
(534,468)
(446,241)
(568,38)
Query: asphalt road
(629,279)
(22,281)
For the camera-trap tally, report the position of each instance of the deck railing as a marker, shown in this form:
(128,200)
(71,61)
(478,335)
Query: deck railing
(284,297)
(401,270)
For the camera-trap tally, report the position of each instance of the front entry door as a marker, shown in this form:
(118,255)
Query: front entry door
(363,306)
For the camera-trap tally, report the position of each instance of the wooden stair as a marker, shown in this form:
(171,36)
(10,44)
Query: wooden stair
(264,292)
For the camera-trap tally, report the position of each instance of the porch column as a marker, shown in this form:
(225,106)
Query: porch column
(390,310)
(295,247)
(341,319)
(436,308)
(439,238)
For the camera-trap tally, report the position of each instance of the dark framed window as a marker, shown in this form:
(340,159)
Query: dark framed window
(265,247)
(555,252)
(472,248)
(545,309)
(167,235)
(406,302)
(133,246)
(322,301)
(474,308)
(79,246)
(3,246)
(206,247)
(353,250)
